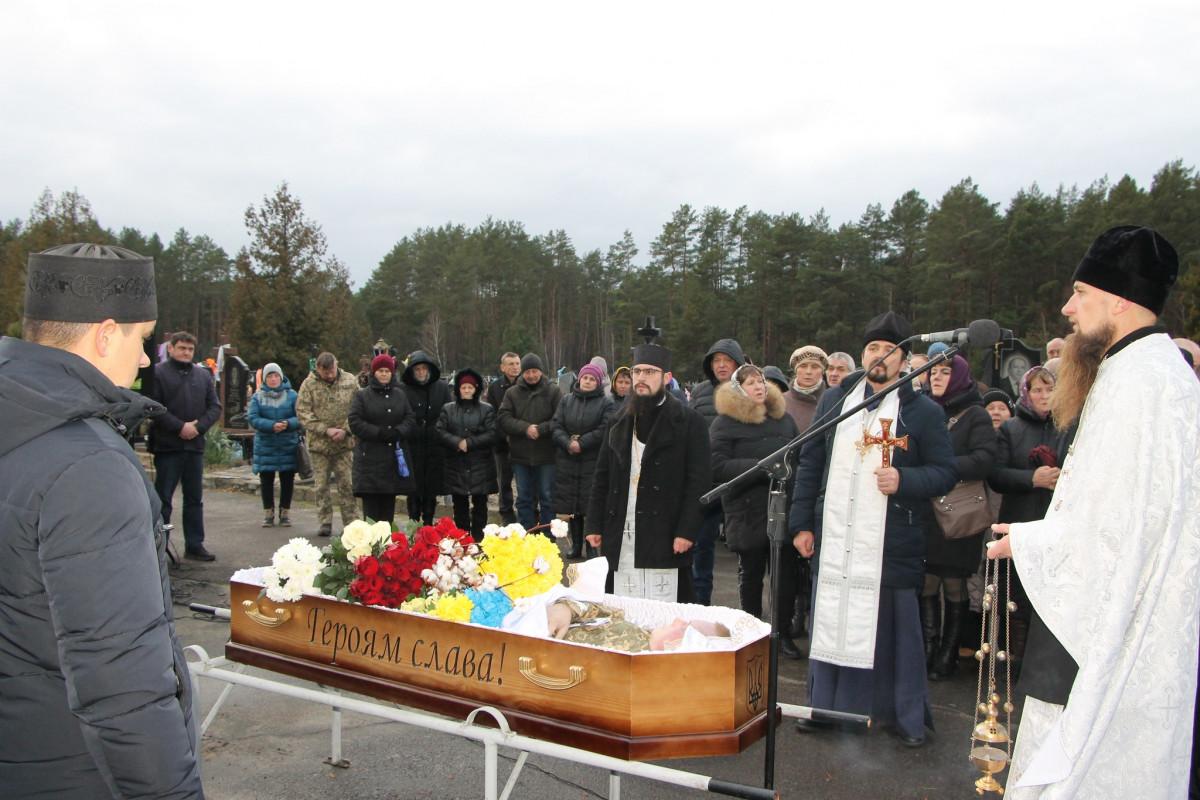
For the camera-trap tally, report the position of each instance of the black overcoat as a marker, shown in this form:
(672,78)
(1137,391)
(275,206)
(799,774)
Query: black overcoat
(743,434)
(974,441)
(426,457)
(927,468)
(583,417)
(472,472)
(379,417)
(1013,476)
(676,470)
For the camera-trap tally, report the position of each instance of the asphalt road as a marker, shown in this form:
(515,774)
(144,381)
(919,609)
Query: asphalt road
(265,746)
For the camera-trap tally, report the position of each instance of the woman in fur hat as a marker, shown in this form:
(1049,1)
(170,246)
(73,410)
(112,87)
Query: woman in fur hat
(752,422)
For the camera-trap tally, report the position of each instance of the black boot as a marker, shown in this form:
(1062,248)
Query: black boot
(787,648)
(946,663)
(576,546)
(930,607)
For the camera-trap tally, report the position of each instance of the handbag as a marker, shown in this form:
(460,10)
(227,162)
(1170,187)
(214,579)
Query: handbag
(304,467)
(965,509)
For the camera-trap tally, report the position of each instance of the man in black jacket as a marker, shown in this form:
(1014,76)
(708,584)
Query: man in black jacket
(645,503)
(510,370)
(187,391)
(96,693)
(720,361)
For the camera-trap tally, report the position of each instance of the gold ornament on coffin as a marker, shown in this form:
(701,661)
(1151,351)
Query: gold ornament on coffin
(990,743)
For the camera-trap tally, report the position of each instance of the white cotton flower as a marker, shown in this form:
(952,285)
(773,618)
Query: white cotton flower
(444,562)
(541,566)
(428,576)
(474,550)
(490,582)
(491,529)
(504,533)
(516,530)
(558,528)
(447,546)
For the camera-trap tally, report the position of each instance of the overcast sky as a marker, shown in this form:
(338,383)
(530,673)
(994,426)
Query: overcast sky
(590,117)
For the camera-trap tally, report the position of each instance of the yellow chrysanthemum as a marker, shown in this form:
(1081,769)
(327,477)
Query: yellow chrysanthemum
(454,608)
(512,559)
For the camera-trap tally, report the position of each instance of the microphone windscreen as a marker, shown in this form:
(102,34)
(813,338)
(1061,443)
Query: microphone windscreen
(983,333)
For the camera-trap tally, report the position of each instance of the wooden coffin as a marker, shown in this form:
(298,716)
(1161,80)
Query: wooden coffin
(631,706)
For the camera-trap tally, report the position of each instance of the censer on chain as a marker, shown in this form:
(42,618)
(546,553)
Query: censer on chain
(990,743)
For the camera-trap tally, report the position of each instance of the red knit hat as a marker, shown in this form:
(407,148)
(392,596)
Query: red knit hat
(383,361)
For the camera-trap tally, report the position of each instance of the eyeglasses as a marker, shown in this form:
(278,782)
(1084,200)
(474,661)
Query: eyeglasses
(647,372)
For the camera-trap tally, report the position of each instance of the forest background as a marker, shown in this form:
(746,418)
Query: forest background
(772,281)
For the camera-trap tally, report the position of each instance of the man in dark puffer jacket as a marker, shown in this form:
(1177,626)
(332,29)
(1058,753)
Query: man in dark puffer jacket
(96,694)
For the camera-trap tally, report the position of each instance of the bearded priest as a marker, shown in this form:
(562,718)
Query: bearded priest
(1112,571)
(858,509)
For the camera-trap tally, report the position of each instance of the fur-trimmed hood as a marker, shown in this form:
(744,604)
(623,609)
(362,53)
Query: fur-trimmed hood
(735,405)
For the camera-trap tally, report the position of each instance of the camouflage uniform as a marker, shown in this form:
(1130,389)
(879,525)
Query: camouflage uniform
(615,633)
(320,406)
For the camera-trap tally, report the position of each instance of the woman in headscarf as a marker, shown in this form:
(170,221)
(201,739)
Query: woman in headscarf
(752,422)
(1030,453)
(272,414)
(380,419)
(622,382)
(950,562)
(578,427)
(467,431)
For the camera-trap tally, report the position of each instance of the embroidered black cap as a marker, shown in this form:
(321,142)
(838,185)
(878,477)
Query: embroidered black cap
(90,283)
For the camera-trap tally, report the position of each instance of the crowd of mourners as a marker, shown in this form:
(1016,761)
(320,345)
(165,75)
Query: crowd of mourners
(469,438)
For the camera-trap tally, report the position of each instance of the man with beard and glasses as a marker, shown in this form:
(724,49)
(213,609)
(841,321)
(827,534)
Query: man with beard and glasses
(862,493)
(1112,571)
(645,503)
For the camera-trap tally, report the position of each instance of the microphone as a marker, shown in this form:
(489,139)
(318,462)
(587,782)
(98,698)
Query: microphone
(982,333)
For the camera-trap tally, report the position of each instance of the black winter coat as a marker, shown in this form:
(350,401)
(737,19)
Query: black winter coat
(927,469)
(426,457)
(974,441)
(188,393)
(676,470)
(472,472)
(704,393)
(583,417)
(1013,476)
(96,690)
(744,434)
(495,396)
(380,417)
(526,405)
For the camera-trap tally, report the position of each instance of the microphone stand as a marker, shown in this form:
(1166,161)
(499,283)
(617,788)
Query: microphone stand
(779,466)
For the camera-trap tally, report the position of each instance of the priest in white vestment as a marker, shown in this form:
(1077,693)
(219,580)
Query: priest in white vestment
(1112,570)
(862,493)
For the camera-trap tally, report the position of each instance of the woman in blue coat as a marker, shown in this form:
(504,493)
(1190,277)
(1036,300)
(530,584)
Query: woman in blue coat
(276,434)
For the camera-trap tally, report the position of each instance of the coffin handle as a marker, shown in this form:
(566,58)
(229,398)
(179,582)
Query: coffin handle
(282,615)
(529,670)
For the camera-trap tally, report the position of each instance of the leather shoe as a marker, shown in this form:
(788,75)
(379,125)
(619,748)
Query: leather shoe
(812,726)
(788,649)
(326,529)
(198,553)
(909,741)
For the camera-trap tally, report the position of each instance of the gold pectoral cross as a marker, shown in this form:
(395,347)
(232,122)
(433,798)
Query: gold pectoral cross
(885,441)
